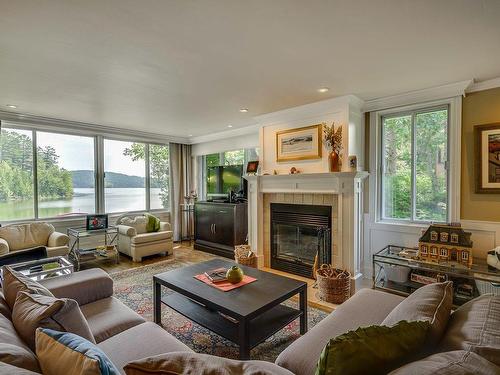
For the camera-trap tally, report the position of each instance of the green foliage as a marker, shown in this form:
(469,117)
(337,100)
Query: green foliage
(16,170)
(430,174)
(159,167)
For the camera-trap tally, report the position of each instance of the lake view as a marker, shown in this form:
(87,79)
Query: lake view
(83,202)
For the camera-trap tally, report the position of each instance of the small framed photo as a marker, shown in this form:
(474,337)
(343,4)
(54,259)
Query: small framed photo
(252,167)
(95,222)
(299,144)
(487,155)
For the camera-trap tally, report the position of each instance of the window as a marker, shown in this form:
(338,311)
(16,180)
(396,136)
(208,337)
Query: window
(454,237)
(465,255)
(222,171)
(65,175)
(414,166)
(424,250)
(16,175)
(434,236)
(443,236)
(444,252)
(159,173)
(124,176)
(434,250)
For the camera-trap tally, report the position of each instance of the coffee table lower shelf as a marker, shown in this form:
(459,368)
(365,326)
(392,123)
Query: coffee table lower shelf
(261,327)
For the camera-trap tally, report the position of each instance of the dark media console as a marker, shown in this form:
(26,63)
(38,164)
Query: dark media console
(219,227)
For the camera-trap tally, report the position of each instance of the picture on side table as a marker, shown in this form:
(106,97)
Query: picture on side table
(299,144)
(487,154)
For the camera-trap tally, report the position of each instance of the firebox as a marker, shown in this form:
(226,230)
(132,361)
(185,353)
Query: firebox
(299,232)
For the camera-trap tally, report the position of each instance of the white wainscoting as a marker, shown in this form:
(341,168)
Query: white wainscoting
(485,235)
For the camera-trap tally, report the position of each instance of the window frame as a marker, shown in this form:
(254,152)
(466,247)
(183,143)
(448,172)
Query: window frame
(454,160)
(413,138)
(98,141)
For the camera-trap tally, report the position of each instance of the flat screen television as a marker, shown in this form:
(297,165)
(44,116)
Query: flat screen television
(222,179)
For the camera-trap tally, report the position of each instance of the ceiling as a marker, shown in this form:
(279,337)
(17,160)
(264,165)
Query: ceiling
(186,67)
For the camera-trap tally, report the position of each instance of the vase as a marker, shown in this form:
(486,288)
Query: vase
(334,162)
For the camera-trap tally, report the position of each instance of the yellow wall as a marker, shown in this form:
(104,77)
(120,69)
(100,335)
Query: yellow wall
(482,107)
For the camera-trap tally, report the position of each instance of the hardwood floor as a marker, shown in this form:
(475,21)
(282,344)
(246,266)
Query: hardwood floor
(187,253)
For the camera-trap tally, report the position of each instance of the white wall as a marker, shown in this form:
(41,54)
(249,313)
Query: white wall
(249,140)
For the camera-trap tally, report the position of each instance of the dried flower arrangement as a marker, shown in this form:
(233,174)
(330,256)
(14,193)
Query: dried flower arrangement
(333,139)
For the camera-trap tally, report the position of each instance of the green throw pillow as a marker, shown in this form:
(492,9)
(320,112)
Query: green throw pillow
(153,223)
(373,349)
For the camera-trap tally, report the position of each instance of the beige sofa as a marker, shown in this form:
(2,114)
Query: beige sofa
(136,242)
(121,333)
(17,237)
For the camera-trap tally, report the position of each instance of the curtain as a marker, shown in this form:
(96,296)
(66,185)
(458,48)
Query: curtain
(180,184)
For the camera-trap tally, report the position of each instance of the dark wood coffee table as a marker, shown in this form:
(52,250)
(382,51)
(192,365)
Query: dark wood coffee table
(246,316)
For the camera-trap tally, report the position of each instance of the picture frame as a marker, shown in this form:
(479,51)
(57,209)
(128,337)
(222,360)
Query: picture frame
(487,156)
(96,222)
(305,143)
(252,167)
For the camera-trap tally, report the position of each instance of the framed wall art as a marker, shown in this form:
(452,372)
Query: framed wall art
(487,155)
(299,143)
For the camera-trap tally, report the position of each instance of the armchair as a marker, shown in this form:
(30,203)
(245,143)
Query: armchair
(136,242)
(17,237)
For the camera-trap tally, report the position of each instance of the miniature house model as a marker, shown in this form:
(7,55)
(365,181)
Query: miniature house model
(445,243)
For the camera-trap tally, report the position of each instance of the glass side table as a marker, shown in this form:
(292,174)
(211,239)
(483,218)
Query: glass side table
(45,268)
(397,274)
(79,255)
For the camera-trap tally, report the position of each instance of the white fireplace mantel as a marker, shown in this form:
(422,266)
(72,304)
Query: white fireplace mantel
(347,185)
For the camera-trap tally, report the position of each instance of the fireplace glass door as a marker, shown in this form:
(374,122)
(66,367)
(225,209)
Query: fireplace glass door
(296,243)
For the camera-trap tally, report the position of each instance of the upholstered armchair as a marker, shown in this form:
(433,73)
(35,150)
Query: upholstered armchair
(18,237)
(136,242)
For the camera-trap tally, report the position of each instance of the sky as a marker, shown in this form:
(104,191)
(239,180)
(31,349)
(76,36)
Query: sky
(76,152)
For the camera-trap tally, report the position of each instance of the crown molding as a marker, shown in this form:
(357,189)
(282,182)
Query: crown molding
(484,85)
(418,96)
(75,127)
(254,128)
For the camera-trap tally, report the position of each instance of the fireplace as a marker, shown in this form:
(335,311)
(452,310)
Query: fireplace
(298,233)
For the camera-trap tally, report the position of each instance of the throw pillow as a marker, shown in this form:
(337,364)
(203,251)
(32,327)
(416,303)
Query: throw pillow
(60,351)
(374,349)
(153,224)
(7,369)
(431,303)
(200,364)
(459,362)
(475,326)
(14,282)
(33,310)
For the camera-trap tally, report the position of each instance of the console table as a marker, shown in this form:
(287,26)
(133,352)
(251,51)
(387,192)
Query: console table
(397,274)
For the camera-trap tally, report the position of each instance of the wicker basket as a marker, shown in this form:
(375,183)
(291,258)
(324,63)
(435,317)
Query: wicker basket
(241,256)
(332,289)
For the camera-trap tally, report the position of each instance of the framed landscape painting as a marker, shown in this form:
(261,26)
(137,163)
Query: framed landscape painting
(487,158)
(299,143)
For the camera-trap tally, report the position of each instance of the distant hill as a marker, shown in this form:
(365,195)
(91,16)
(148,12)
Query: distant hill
(85,179)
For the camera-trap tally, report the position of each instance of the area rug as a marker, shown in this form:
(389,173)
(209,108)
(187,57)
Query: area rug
(134,288)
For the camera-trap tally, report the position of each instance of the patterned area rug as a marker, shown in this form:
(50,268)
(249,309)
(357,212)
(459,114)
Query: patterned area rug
(134,288)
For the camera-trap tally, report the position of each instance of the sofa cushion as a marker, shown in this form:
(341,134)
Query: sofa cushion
(84,286)
(14,282)
(475,326)
(108,317)
(32,311)
(138,222)
(431,303)
(24,236)
(458,362)
(200,364)
(62,353)
(366,307)
(14,370)
(374,349)
(150,237)
(144,340)
(4,307)
(12,348)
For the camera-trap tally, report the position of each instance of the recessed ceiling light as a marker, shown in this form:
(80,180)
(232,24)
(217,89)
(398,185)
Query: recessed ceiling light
(323,89)
(12,106)
(244,110)
(230,126)
(190,135)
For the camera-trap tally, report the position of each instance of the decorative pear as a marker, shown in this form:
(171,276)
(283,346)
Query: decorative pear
(234,275)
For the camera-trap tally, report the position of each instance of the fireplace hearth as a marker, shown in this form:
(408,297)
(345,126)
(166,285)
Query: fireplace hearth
(298,233)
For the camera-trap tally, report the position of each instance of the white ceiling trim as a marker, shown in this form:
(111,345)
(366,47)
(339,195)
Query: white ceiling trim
(254,128)
(418,96)
(74,127)
(484,85)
